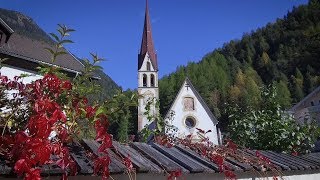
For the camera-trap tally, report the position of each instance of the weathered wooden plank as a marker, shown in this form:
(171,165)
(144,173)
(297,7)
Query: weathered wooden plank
(244,166)
(182,159)
(197,157)
(115,166)
(256,167)
(312,161)
(295,159)
(142,164)
(157,157)
(4,168)
(51,170)
(282,160)
(231,163)
(273,161)
(79,155)
(300,166)
(315,156)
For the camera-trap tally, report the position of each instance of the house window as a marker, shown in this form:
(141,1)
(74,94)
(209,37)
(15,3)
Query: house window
(312,103)
(190,122)
(148,66)
(152,80)
(188,104)
(144,80)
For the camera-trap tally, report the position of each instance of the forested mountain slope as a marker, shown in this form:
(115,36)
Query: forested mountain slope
(286,52)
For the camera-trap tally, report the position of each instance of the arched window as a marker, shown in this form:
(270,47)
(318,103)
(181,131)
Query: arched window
(145,80)
(152,80)
(148,66)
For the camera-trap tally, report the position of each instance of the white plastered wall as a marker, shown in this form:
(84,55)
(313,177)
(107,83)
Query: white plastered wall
(203,121)
(148,91)
(11,72)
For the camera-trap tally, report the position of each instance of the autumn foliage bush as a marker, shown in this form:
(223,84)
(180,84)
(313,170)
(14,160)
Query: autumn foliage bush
(53,113)
(39,119)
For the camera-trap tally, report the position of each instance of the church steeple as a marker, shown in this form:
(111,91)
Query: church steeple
(147,75)
(147,42)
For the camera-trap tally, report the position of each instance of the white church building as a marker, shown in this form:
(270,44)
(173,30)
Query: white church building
(191,112)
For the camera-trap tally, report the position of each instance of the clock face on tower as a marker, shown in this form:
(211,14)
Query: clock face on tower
(147,96)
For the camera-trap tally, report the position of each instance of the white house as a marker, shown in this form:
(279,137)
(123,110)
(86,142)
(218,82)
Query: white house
(23,45)
(308,109)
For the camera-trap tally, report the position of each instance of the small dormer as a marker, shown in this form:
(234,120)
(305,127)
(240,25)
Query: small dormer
(5,32)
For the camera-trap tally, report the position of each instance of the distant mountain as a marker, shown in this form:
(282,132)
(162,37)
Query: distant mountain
(286,53)
(108,86)
(25,26)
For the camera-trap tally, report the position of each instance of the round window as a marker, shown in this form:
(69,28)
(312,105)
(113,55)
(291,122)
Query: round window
(190,122)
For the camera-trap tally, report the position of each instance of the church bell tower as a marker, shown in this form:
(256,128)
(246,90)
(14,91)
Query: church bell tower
(147,74)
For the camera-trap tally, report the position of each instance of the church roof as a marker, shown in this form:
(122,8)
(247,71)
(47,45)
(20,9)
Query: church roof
(202,102)
(147,42)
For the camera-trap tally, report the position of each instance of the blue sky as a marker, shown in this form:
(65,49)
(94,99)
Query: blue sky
(183,30)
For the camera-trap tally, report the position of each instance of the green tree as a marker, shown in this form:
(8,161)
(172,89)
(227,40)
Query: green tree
(121,110)
(271,128)
(283,94)
(298,85)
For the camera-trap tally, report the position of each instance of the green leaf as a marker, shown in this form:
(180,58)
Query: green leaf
(61,32)
(66,41)
(100,110)
(50,51)
(55,37)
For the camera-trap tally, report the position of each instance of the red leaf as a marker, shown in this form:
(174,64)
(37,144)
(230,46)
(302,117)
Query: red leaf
(21,166)
(174,174)
(67,85)
(200,131)
(208,131)
(64,176)
(33,174)
(128,163)
(101,165)
(90,111)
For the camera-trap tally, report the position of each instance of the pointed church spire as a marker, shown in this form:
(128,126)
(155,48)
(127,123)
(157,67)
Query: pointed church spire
(147,42)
